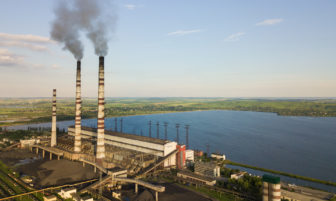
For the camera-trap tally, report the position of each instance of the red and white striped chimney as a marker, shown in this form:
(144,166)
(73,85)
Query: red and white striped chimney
(100,154)
(78,128)
(53,120)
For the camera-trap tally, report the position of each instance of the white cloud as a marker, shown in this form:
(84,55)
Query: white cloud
(183,32)
(25,38)
(31,46)
(32,42)
(130,6)
(9,59)
(269,22)
(234,37)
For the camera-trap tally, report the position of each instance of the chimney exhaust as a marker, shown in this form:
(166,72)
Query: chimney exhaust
(100,154)
(78,127)
(53,121)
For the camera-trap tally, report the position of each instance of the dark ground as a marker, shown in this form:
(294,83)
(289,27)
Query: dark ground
(47,172)
(173,193)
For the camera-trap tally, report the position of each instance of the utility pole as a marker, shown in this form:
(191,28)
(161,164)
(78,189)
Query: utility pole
(165,125)
(115,125)
(150,129)
(121,125)
(157,130)
(187,135)
(177,133)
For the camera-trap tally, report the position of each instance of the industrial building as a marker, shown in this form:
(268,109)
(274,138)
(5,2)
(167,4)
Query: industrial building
(196,178)
(207,169)
(142,144)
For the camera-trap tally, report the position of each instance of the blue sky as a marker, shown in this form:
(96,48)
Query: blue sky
(189,48)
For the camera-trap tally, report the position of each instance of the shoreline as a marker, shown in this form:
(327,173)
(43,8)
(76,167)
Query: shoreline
(328,183)
(161,112)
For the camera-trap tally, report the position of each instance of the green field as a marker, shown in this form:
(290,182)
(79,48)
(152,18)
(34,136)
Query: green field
(21,111)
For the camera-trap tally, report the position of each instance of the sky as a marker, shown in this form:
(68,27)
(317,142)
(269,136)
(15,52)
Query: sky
(189,48)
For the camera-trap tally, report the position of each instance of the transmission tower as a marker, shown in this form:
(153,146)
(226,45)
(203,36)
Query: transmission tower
(121,125)
(165,125)
(150,129)
(208,150)
(187,135)
(177,133)
(157,130)
(116,125)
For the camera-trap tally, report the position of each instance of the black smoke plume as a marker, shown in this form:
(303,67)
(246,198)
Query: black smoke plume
(88,16)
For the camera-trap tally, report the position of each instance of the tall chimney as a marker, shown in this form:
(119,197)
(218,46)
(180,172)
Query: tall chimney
(53,120)
(101,115)
(78,127)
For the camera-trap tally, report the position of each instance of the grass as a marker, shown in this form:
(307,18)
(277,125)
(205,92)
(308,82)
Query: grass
(23,111)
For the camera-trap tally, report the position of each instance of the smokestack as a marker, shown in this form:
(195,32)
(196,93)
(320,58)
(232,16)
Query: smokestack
(53,120)
(101,115)
(78,127)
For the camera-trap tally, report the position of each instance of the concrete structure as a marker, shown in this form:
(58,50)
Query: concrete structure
(118,172)
(208,169)
(86,198)
(77,147)
(100,153)
(137,182)
(237,175)
(53,121)
(50,198)
(67,192)
(116,195)
(190,155)
(196,178)
(181,156)
(218,156)
(271,188)
(28,143)
(198,153)
(27,179)
(51,151)
(157,147)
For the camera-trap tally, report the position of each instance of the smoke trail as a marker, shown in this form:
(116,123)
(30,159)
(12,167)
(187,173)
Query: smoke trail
(65,30)
(97,22)
(89,16)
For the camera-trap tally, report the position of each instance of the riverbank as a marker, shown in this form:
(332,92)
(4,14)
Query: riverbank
(329,183)
(24,111)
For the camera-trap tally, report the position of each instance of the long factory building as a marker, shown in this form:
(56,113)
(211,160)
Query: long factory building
(154,146)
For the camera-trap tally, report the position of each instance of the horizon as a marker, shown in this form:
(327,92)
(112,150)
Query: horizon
(219,49)
(177,97)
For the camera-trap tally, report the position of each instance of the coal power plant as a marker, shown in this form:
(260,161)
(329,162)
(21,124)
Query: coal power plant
(121,157)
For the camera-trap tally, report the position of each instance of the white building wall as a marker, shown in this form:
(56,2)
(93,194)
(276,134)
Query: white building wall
(136,145)
(189,155)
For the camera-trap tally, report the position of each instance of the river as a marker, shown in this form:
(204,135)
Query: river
(297,145)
